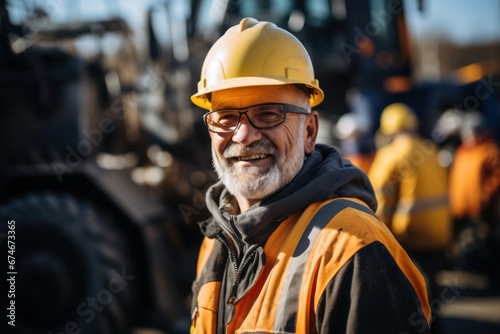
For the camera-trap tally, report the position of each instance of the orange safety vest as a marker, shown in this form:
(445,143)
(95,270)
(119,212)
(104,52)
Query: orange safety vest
(474,178)
(303,255)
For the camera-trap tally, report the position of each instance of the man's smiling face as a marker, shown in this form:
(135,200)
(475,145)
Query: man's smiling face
(254,163)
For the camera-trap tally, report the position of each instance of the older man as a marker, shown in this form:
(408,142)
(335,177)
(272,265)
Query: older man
(293,245)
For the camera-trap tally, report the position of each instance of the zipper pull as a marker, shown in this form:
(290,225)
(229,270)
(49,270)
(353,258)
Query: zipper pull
(231,299)
(231,303)
(230,310)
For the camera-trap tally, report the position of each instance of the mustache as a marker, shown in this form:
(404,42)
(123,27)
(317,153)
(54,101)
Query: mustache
(259,147)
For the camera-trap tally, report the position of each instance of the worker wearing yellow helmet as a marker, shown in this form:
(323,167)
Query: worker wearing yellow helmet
(293,245)
(396,118)
(411,189)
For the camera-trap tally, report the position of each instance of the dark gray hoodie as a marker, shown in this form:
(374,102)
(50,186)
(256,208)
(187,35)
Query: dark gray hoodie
(324,175)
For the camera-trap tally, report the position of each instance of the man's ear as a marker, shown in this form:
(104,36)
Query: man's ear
(311,131)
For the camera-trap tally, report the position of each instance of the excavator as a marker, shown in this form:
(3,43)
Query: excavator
(94,244)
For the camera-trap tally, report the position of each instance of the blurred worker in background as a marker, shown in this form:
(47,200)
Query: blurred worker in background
(293,245)
(412,190)
(475,195)
(355,140)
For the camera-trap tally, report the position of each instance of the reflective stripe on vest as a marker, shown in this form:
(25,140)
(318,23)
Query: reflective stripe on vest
(287,308)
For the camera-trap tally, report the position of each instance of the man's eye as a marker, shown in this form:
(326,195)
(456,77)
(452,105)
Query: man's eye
(227,118)
(268,115)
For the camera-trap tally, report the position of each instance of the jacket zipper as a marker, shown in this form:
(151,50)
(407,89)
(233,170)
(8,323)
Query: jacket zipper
(232,299)
(234,262)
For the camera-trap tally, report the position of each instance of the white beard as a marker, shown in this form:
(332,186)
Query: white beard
(257,183)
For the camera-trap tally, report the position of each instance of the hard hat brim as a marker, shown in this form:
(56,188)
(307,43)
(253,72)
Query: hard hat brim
(201,100)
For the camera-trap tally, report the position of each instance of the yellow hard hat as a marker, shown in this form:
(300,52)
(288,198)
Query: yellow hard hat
(256,53)
(397,117)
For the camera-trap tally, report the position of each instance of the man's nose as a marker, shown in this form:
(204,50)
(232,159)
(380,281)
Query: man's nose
(246,133)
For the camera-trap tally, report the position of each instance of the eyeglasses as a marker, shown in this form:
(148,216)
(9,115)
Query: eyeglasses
(261,116)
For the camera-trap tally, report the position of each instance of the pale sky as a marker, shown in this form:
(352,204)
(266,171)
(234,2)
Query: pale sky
(463,21)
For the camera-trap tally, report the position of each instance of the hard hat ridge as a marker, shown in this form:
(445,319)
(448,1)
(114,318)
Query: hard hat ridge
(247,22)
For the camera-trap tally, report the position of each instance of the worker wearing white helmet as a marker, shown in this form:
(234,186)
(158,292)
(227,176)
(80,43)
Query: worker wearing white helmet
(356,142)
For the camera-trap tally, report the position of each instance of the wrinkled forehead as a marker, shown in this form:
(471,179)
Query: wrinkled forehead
(246,96)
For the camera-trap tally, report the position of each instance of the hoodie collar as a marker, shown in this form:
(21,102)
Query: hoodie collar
(324,175)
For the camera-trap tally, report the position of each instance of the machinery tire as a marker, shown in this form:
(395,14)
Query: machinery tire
(74,271)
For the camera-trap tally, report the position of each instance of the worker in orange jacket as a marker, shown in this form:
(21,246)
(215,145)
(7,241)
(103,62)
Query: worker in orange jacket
(475,197)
